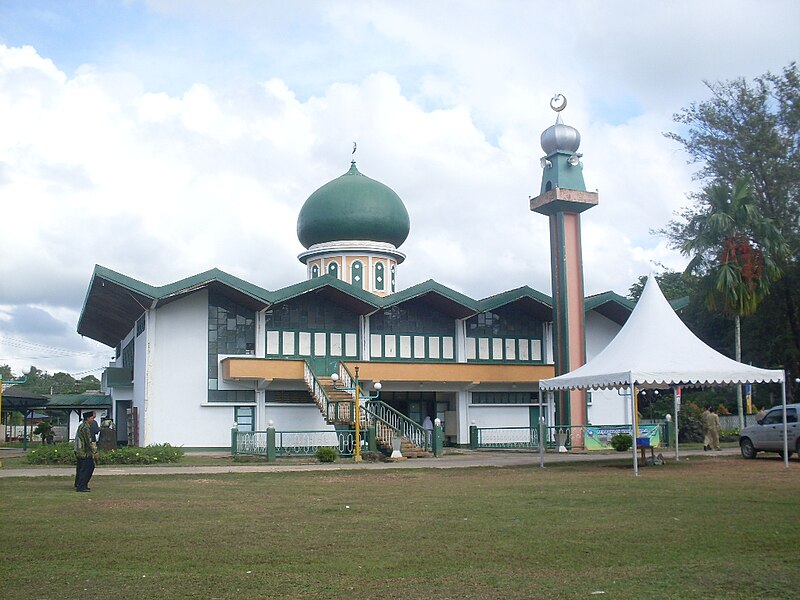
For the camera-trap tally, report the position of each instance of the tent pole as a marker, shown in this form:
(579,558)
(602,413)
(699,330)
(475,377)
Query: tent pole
(675,396)
(785,425)
(634,431)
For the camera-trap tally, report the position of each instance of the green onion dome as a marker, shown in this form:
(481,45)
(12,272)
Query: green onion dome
(353,207)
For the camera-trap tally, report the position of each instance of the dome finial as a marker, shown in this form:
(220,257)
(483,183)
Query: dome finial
(353,153)
(558,102)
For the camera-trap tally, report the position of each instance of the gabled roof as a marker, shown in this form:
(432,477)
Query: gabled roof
(440,297)
(114,301)
(333,289)
(611,305)
(241,291)
(20,399)
(528,299)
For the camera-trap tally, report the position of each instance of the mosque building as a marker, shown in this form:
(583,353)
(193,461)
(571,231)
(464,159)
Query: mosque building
(195,357)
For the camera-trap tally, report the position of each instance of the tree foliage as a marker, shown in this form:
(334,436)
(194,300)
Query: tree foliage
(41,382)
(734,249)
(748,131)
(673,285)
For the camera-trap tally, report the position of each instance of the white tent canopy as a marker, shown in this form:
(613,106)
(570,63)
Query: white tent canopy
(654,348)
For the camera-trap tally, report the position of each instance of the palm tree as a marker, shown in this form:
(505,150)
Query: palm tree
(735,250)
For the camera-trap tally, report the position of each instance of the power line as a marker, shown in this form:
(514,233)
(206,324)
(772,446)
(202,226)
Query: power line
(18,343)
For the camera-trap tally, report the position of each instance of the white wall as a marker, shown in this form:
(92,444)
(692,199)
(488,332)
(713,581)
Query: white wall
(608,407)
(491,415)
(296,417)
(177,410)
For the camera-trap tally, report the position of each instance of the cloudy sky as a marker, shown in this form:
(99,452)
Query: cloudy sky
(163,138)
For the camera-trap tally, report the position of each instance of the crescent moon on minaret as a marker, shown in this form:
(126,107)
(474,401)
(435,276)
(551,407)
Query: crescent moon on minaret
(558,102)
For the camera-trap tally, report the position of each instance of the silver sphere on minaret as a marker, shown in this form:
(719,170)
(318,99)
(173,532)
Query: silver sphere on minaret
(559,136)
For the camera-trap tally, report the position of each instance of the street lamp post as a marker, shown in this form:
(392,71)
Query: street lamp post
(357,410)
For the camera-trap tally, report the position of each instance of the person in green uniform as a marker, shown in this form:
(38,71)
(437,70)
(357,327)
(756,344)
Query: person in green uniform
(86,452)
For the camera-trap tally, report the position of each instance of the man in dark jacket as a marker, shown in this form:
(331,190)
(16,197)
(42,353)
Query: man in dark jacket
(85,452)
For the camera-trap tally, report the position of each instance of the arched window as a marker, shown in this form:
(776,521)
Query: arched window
(357,274)
(333,269)
(379,284)
(314,271)
(394,272)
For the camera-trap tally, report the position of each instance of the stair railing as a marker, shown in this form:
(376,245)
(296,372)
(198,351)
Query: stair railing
(399,423)
(387,420)
(330,410)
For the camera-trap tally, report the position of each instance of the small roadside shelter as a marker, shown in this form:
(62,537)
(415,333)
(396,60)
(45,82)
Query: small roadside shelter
(655,348)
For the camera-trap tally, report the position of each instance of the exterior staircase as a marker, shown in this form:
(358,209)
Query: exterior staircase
(338,407)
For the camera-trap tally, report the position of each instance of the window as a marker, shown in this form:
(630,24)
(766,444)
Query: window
(309,313)
(775,417)
(505,397)
(333,269)
(140,326)
(394,274)
(128,354)
(244,417)
(314,272)
(357,274)
(231,330)
(412,317)
(505,321)
(379,276)
(238,396)
(289,397)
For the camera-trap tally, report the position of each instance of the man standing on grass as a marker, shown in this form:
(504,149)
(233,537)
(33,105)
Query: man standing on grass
(714,429)
(86,452)
(705,421)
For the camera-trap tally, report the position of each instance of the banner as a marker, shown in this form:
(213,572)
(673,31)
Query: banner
(599,438)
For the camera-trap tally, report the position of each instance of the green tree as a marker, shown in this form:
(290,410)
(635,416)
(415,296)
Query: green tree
(734,250)
(749,129)
(673,284)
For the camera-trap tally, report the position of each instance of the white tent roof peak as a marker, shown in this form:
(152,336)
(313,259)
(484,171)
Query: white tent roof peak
(655,347)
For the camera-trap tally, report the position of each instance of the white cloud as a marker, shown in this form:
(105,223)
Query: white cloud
(446,101)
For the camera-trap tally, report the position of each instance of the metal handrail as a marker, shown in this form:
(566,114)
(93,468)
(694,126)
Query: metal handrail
(391,418)
(399,423)
(332,411)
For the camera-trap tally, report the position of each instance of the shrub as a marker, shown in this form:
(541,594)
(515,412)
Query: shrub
(57,454)
(153,454)
(326,454)
(621,442)
(63,454)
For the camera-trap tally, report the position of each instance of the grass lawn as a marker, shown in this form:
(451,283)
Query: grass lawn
(704,528)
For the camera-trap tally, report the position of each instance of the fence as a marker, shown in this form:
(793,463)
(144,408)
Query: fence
(273,443)
(562,438)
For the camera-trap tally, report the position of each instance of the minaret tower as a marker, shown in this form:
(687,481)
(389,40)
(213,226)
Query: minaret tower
(563,197)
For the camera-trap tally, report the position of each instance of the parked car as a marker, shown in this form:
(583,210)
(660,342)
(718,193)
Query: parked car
(767,434)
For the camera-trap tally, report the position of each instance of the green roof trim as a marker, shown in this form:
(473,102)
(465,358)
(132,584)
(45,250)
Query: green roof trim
(114,301)
(514,295)
(611,305)
(439,296)
(66,401)
(316,283)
